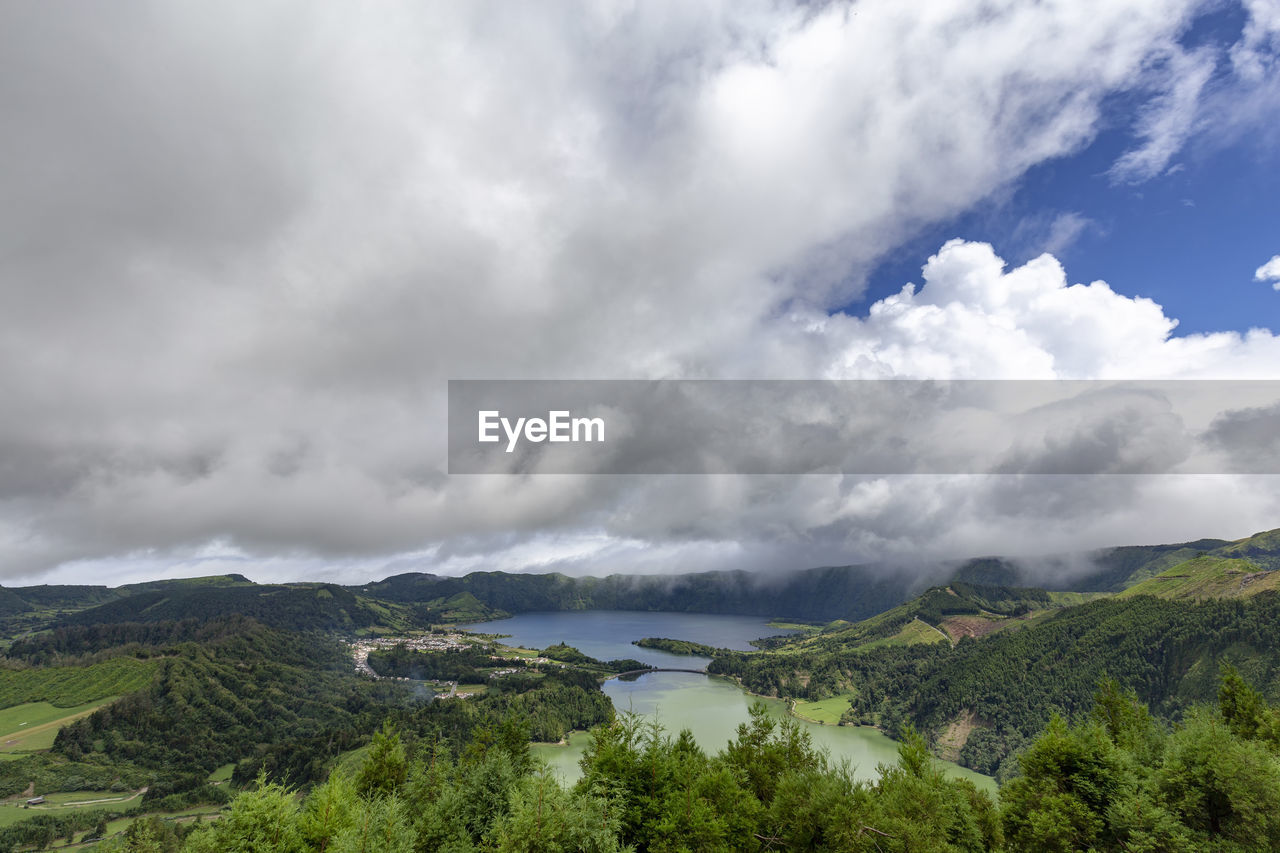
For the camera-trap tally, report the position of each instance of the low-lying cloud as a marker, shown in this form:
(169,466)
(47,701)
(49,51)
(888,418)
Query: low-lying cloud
(241,254)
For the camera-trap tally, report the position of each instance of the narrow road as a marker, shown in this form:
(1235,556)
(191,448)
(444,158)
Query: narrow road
(944,634)
(133,796)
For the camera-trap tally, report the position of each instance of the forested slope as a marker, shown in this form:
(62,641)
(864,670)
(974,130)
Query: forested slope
(1116,780)
(1013,681)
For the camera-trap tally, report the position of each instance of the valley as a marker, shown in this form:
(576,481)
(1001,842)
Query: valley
(166,699)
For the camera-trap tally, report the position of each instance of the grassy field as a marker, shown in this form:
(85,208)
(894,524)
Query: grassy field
(185,816)
(71,686)
(222,774)
(910,634)
(11,814)
(13,811)
(825,711)
(1207,577)
(793,626)
(1071,599)
(349,762)
(34,725)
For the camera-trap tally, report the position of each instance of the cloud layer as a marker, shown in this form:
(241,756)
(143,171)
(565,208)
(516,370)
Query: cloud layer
(1270,271)
(241,252)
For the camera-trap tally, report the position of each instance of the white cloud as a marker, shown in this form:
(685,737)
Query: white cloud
(1255,54)
(231,294)
(1270,271)
(973,319)
(1167,122)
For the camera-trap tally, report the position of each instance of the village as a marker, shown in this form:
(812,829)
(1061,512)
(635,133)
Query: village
(446,689)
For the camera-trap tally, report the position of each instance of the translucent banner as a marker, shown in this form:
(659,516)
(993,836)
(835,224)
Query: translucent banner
(870,427)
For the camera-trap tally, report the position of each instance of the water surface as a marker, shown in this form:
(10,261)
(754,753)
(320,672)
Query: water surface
(608,634)
(710,707)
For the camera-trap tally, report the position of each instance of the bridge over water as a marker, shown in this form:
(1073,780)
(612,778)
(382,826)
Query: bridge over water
(656,669)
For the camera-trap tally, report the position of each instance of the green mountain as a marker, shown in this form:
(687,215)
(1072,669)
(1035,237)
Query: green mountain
(942,614)
(1001,689)
(25,599)
(1018,655)
(1232,570)
(1207,576)
(1116,569)
(823,594)
(298,607)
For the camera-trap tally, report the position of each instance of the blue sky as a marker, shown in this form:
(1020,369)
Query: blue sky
(1189,238)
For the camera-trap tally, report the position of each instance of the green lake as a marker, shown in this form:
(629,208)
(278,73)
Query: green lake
(710,707)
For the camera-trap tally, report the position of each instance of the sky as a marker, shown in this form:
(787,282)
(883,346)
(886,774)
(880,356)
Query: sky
(243,248)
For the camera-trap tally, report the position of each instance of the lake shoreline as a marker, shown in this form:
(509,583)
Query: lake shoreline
(711,706)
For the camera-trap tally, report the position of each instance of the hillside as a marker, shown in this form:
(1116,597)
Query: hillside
(989,690)
(1207,576)
(822,594)
(939,614)
(301,607)
(1007,685)
(849,593)
(1237,569)
(1261,549)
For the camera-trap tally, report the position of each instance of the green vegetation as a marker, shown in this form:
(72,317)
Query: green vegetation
(641,789)
(21,718)
(472,663)
(569,655)
(1113,779)
(784,625)
(243,688)
(912,632)
(72,686)
(566,654)
(278,703)
(1261,549)
(33,726)
(940,614)
(1173,752)
(475,663)
(826,711)
(811,595)
(1207,577)
(678,647)
(1010,683)
(222,774)
(458,609)
(294,607)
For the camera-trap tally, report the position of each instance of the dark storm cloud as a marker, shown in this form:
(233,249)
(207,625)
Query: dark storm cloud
(1249,437)
(243,247)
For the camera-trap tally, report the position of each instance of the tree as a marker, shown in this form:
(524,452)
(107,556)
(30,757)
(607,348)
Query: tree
(545,818)
(1071,776)
(328,812)
(378,825)
(1220,785)
(383,771)
(262,820)
(1244,710)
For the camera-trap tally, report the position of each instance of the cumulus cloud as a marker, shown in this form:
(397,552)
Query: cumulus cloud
(241,253)
(1270,271)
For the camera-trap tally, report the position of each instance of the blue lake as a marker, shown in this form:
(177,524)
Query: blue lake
(710,707)
(609,634)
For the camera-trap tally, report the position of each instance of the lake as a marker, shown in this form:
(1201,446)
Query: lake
(609,634)
(710,707)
